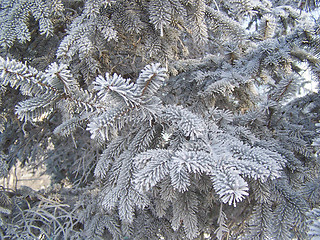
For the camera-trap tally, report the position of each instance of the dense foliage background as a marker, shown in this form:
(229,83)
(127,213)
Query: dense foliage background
(173,119)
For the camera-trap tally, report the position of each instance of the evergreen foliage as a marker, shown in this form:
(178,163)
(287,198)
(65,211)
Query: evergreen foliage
(175,119)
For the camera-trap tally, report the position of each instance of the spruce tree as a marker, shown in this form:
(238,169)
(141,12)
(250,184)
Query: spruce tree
(174,119)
